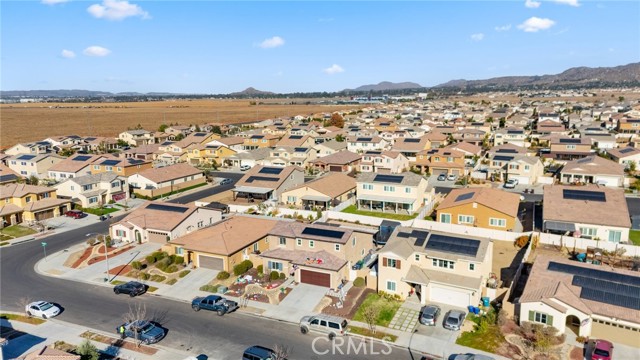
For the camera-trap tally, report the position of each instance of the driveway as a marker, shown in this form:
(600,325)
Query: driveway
(437,331)
(301,301)
(189,286)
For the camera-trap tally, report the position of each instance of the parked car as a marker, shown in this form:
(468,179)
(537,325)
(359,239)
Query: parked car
(601,350)
(470,357)
(133,288)
(258,352)
(452,177)
(453,319)
(218,206)
(245,167)
(442,177)
(511,183)
(141,330)
(76,214)
(214,303)
(331,325)
(225,181)
(429,315)
(42,309)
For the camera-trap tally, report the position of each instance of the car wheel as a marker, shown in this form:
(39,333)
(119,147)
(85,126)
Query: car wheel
(196,308)
(44,316)
(132,294)
(29,313)
(332,336)
(220,312)
(304,330)
(116,291)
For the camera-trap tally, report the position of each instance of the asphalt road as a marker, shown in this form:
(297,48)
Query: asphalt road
(209,190)
(96,307)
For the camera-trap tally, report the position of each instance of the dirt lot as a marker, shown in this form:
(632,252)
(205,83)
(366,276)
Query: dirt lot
(30,122)
(505,261)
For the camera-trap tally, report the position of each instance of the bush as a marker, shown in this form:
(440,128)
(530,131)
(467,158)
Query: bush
(184,273)
(136,265)
(87,350)
(283,276)
(171,269)
(274,275)
(151,259)
(163,264)
(158,278)
(144,276)
(260,269)
(242,268)
(172,281)
(178,260)
(91,242)
(209,288)
(223,275)
(358,282)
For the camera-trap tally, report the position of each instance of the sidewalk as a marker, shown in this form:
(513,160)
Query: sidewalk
(37,336)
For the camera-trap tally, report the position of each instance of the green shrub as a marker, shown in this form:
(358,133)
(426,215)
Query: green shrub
(163,264)
(151,259)
(282,276)
(223,275)
(242,268)
(136,265)
(172,281)
(184,273)
(274,275)
(158,278)
(171,269)
(4,243)
(358,282)
(260,269)
(209,288)
(178,260)
(144,276)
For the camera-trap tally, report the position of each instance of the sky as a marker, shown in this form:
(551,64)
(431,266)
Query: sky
(216,47)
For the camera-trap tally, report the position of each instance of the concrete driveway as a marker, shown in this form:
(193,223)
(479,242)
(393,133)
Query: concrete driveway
(437,331)
(301,301)
(189,286)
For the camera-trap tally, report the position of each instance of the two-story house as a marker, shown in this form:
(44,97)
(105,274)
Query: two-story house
(324,192)
(384,162)
(441,161)
(137,137)
(95,190)
(296,141)
(124,167)
(565,148)
(202,154)
(329,147)
(260,141)
(630,127)
(435,266)
(342,161)
(410,147)
(626,156)
(21,202)
(33,165)
(362,144)
(34,148)
(525,169)
(593,170)
(73,166)
(513,136)
(266,182)
(400,193)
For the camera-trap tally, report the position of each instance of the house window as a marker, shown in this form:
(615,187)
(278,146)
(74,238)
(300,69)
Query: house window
(96,167)
(299,242)
(115,184)
(465,219)
(437,159)
(513,167)
(571,147)
(28,199)
(417,257)
(449,159)
(179,251)
(614,236)
(93,200)
(391,263)
(391,286)
(446,264)
(541,318)
(200,224)
(367,187)
(46,195)
(273,265)
(283,241)
(445,218)
(291,199)
(256,247)
(472,266)
(496,164)
(119,169)
(120,233)
(312,243)
(497,222)
(337,247)
(353,242)
(588,233)
(407,190)
(388,188)
(527,167)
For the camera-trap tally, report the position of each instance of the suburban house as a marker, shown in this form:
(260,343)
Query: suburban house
(330,147)
(48,352)
(159,181)
(626,156)
(137,137)
(250,158)
(296,141)
(481,207)
(288,155)
(602,141)
(436,266)
(142,152)
(441,161)
(384,162)
(593,170)
(316,254)
(202,154)
(564,148)
(343,161)
(7,175)
(548,127)
(473,136)
(405,192)
(628,126)
(410,147)
(21,202)
(437,139)
(161,222)
(358,144)
(325,192)
(95,190)
(33,165)
(525,169)
(260,141)
(471,152)
(123,167)
(590,300)
(73,166)
(513,136)
(225,244)
(264,182)
(235,143)
(34,148)
(591,211)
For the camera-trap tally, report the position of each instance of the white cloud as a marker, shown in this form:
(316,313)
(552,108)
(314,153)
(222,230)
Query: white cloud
(574,3)
(503,27)
(532,4)
(333,69)
(98,51)
(535,24)
(53,2)
(477,37)
(68,54)
(271,43)
(116,10)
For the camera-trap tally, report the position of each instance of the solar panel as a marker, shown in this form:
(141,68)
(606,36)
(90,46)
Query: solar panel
(371,152)
(609,286)
(257,136)
(419,241)
(199,134)
(25,157)
(89,139)
(410,140)
(364,139)
(515,132)
(594,273)
(323,232)
(507,151)
(295,137)
(454,245)
(163,207)
(502,158)
(384,124)
(270,170)
(300,149)
(261,178)
(135,161)
(570,141)
(584,161)
(602,296)
(626,150)
(569,194)
(167,143)
(404,235)
(466,196)
(110,162)
(81,158)
(633,120)
(388,178)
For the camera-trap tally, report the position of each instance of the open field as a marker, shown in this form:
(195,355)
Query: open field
(30,122)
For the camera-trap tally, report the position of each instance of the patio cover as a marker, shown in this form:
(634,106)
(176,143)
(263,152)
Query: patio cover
(252,190)
(559,226)
(316,198)
(389,199)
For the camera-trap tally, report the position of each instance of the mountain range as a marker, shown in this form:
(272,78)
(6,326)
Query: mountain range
(385,85)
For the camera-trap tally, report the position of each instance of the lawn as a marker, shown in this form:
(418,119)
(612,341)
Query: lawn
(22,318)
(486,337)
(17,231)
(368,333)
(353,210)
(100,211)
(634,237)
(388,309)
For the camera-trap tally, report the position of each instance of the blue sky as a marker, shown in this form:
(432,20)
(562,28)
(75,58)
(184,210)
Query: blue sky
(223,46)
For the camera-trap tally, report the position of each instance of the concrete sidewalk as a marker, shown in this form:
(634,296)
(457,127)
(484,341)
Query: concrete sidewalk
(37,336)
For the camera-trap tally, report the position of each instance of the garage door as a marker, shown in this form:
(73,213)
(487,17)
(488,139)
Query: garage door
(44,215)
(156,237)
(628,335)
(118,197)
(210,262)
(315,278)
(335,168)
(522,180)
(445,295)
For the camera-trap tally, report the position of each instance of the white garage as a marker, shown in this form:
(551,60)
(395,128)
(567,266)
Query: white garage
(448,295)
(522,180)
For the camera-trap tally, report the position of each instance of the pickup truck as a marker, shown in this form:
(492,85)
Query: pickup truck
(214,303)
(141,330)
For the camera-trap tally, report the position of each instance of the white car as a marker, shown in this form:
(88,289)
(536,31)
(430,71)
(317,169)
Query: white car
(245,167)
(511,183)
(42,309)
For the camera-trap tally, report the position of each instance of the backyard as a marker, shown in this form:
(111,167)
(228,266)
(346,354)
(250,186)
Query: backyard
(353,210)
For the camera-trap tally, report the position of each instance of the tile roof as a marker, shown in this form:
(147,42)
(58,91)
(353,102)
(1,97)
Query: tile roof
(612,212)
(159,175)
(294,229)
(408,178)
(253,177)
(20,190)
(75,163)
(502,201)
(157,219)
(49,353)
(333,184)
(339,158)
(593,165)
(315,259)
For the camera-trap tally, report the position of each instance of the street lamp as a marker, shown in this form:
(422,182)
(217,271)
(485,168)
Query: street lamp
(106,253)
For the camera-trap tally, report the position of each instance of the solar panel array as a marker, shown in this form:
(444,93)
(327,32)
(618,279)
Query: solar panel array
(388,178)
(135,161)
(199,134)
(411,140)
(110,162)
(257,136)
(162,207)
(323,232)
(507,151)
(300,149)
(364,139)
(570,141)
(628,302)
(81,158)
(569,194)
(295,137)
(626,150)
(261,178)
(608,286)
(371,152)
(594,273)
(89,139)
(25,157)
(515,132)
(502,158)
(270,170)
(466,196)
(633,121)
(453,245)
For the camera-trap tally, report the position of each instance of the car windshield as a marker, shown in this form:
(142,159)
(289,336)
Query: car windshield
(601,352)
(452,320)
(45,306)
(427,316)
(148,327)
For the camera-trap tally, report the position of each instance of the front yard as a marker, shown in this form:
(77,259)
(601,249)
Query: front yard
(400,217)
(15,231)
(101,210)
(386,307)
(634,237)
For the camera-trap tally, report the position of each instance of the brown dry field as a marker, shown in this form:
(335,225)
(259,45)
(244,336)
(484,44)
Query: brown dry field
(31,122)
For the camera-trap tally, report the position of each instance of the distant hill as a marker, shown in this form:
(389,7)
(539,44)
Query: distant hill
(251,92)
(574,77)
(54,93)
(386,85)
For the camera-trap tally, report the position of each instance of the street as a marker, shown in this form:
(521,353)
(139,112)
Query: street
(208,190)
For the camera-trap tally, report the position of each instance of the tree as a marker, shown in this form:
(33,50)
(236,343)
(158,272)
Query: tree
(281,352)
(136,312)
(33,180)
(336,120)
(162,127)
(621,98)
(370,315)
(121,143)
(67,152)
(340,138)
(198,128)
(87,351)
(216,129)
(632,167)
(179,137)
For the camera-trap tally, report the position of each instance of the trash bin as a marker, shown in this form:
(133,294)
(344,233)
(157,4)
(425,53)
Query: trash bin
(485,301)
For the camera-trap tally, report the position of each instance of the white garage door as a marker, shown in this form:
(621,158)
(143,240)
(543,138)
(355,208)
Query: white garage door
(522,180)
(450,296)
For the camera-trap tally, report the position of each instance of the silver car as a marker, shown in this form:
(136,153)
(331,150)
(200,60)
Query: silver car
(429,315)
(470,357)
(453,320)
(331,325)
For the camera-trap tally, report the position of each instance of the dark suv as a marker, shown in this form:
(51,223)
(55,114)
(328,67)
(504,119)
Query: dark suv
(133,288)
(214,303)
(142,330)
